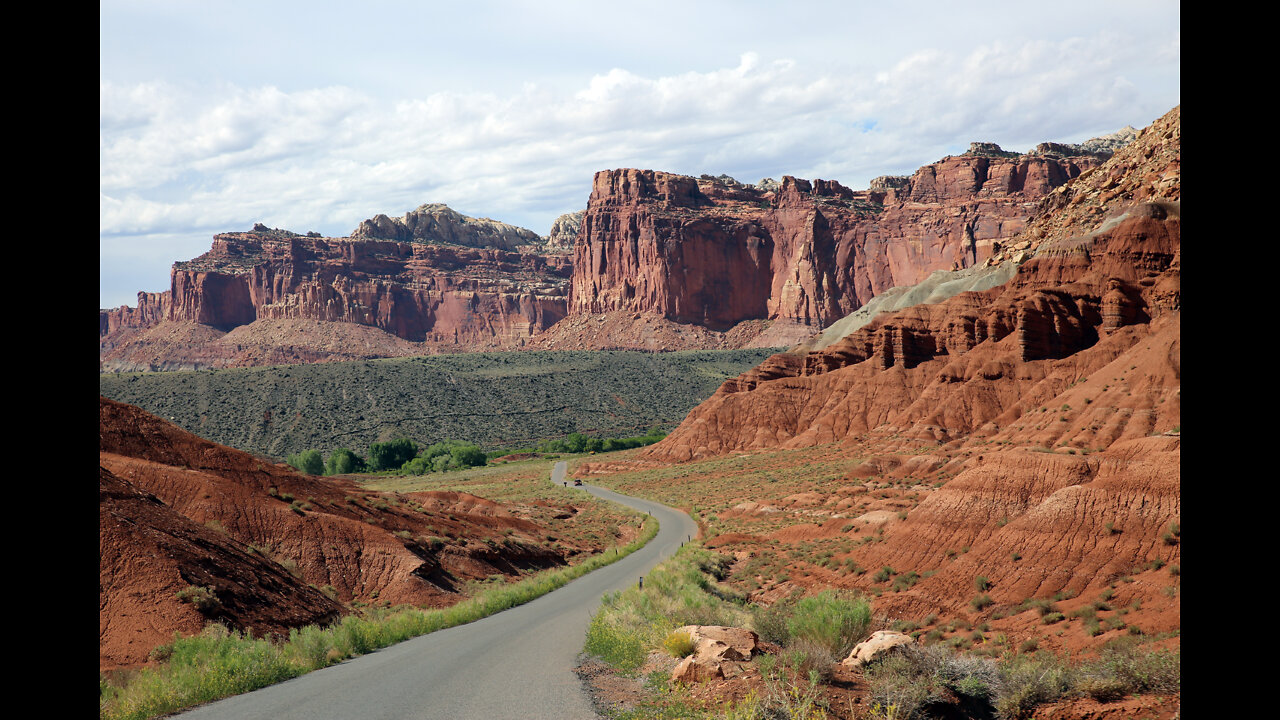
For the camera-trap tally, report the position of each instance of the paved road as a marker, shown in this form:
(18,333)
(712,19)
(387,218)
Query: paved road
(517,664)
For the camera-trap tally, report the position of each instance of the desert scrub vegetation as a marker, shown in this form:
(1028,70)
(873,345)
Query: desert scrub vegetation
(817,631)
(678,592)
(914,681)
(220,662)
(403,455)
(511,399)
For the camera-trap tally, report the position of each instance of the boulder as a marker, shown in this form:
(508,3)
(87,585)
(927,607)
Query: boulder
(713,646)
(721,642)
(694,670)
(880,642)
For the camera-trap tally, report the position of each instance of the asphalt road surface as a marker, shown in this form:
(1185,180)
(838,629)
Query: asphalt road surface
(517,664)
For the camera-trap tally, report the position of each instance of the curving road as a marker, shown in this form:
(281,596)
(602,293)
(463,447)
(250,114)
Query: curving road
(517,664)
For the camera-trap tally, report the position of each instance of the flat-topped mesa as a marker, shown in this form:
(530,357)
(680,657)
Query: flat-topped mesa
(628,187)
(445,293)
(995,174)
(438,223)
(715,252)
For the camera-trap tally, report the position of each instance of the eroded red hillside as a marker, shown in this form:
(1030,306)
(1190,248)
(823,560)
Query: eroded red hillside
(1000,457)
(277,548)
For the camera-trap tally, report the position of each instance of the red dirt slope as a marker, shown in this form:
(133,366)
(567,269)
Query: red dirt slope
(180,511)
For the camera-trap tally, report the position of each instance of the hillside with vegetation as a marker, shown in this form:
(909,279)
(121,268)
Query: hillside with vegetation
(494,400)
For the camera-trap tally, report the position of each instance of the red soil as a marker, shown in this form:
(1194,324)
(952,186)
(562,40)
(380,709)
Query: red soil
(178,511)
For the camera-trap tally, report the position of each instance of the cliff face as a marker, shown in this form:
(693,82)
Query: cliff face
(1105,277)
(1027,435)
(715,253)
(765,264)
(437,294)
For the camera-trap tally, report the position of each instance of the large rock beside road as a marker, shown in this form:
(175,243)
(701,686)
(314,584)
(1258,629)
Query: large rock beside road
(713,645)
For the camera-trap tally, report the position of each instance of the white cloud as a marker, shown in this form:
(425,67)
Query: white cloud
(206,159)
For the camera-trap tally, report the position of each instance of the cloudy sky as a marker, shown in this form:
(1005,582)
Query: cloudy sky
(316,115)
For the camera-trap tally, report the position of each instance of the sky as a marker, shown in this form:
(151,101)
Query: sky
(313,116)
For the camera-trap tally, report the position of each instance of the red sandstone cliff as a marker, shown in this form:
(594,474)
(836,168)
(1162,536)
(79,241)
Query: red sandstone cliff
(1002,448)
(419,296)
(675,262)
(717,253)
(1105,276)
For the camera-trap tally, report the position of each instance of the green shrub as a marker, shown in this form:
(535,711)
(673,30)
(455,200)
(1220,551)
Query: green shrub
(613,644)
(1027,681)
(391,455)
(679,643)
(770,621)
(831,620)
(343,461)
(307,461)
(416,466)
(202,598)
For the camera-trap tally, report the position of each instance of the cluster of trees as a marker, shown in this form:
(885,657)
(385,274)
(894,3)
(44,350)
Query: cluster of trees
(404,454)
(579,443)
(401,454)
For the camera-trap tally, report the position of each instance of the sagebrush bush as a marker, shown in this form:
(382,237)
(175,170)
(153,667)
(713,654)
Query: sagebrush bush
(835,621)
(770,621)
(202,598)
(1027,681)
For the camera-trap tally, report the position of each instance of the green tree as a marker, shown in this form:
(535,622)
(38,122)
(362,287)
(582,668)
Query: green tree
(391,455)
(308,461)
(343,461)
(468,455)
(417,466)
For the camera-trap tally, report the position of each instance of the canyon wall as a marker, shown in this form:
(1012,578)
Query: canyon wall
(1105,274)
(706,252)
(714,252)
(447,294)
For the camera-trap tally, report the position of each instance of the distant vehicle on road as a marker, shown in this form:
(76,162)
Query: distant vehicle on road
(577,482)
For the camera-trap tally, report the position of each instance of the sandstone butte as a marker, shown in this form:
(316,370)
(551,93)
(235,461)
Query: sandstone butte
(656,261)
(277,548)
(1051,404)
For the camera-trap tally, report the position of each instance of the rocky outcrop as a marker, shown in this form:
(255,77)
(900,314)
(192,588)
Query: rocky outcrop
(564,232)
(713,646)
(715,252)
(438,223)
(448,296)
(1104,277)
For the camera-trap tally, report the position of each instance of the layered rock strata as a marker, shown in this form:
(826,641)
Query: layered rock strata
(1106,267)
(714,252)
(707,253)
(443,293)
